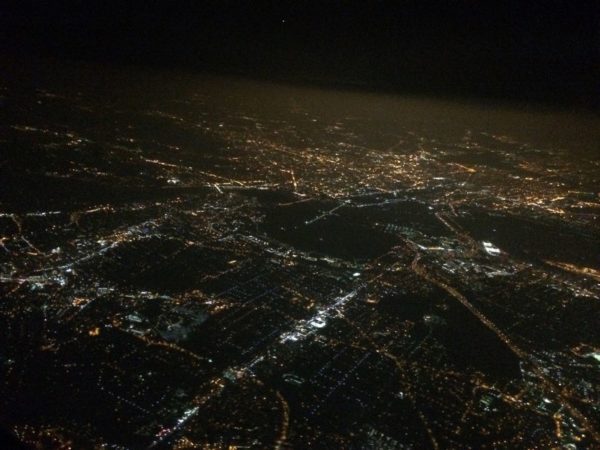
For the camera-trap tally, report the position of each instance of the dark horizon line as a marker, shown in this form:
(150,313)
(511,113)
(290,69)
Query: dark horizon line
(405,87)
(516,52)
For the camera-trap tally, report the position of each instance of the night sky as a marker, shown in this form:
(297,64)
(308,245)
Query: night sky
(547,51)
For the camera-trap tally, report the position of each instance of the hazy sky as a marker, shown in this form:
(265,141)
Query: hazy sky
(545,51)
